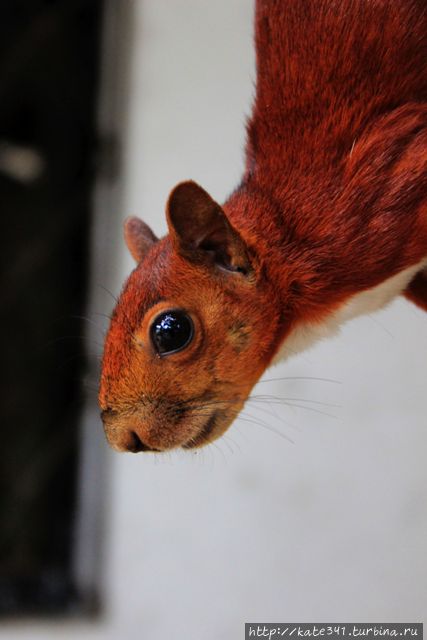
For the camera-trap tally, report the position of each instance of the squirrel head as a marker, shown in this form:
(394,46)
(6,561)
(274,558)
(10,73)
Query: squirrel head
(193,330)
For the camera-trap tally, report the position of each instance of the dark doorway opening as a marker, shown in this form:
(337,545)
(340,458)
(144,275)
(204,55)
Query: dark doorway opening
(49,67)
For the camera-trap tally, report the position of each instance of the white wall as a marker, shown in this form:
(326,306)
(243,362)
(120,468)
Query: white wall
(330,526)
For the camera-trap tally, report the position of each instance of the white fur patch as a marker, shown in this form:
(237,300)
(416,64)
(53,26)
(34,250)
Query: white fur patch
(305,335)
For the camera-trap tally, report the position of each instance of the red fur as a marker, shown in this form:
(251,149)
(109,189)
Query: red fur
(337,145)
(333,202)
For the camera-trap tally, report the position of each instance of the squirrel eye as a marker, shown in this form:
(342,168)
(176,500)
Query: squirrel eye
(171,331)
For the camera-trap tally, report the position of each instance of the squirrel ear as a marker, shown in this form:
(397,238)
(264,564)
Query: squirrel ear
(200,230)
(138,237)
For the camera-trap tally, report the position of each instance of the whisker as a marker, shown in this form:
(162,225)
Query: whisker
(298,406)
(262,421)
(226,440)
(116,300)
(101,286)
(266,426)
(54,341)
(380,324)
(107,316)
(285,399)
(90,321)
(239,430)
(74,357)
(215,445)
(275,416)
(309,378)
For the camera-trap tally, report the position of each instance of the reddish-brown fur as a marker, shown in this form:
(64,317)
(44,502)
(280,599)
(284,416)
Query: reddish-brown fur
(333,202)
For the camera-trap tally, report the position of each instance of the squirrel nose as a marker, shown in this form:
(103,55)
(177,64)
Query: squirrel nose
(122,438)
(134,443)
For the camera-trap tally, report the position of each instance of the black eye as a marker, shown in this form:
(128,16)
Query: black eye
(171,331)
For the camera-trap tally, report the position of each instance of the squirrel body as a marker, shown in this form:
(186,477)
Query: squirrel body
(329,221)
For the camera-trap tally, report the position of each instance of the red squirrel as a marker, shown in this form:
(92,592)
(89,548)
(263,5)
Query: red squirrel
(329,221)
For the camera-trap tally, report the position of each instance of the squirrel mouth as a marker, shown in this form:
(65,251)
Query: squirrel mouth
(203,437)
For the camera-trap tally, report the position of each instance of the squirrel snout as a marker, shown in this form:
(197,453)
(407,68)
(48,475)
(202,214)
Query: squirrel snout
(130,441)
(137,430)
(136,433)
(126,439)
(120,436)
